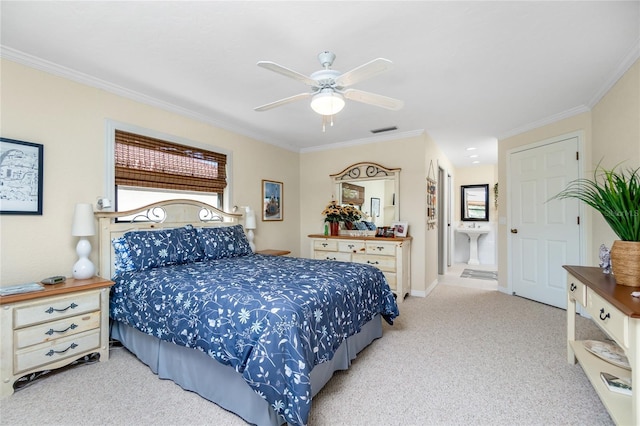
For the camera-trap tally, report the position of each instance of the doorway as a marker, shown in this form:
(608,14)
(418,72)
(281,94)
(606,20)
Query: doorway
(444,209)
(543,235)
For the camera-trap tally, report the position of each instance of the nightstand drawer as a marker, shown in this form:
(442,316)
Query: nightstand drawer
(333,255)
(63,348)
(384,263)
(56,329)
(330,245)
(612,321)
(577,290)
(351,246)
(387,249)
(56,307)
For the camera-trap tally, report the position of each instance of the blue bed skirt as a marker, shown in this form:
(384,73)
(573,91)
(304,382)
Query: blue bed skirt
(195,371)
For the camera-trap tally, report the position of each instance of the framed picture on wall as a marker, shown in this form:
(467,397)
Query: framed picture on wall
(272,200)
(20,177)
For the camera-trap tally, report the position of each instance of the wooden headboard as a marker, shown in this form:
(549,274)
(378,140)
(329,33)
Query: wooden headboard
(161,215)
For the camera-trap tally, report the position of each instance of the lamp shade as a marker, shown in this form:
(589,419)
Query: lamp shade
(327,102)
(250,219)
(83,221)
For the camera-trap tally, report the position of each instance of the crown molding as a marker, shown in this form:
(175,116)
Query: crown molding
(364,141)
(621,69)
(88,80)
(545,121)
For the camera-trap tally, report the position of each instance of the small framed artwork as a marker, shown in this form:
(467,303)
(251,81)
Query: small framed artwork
(272,200)
(375,207)
(20,177)
(400,229)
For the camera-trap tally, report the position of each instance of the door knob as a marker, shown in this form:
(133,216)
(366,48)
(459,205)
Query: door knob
(514,231)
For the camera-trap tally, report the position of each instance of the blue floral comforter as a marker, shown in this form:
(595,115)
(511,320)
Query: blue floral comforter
(271,318)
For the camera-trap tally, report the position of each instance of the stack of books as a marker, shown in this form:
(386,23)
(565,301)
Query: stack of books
(617,384)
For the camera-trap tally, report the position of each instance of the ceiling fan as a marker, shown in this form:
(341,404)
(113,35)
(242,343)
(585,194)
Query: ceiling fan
(329,88)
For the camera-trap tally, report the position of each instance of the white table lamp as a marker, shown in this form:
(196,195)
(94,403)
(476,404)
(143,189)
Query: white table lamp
(83,226)
(250,225)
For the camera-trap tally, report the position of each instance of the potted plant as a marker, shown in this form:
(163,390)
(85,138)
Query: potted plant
(615,193)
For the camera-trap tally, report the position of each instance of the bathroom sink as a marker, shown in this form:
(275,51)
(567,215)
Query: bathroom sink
(473,234)
(473,231)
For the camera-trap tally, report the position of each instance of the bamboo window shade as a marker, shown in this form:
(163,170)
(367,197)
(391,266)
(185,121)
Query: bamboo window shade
(142,161)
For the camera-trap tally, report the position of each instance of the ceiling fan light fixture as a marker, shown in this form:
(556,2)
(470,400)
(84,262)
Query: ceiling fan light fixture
(327,102)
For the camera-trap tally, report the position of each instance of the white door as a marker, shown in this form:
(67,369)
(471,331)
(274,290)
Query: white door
(544,235)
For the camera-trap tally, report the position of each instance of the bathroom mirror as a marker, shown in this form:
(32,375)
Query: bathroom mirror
(373,188)
(474,202)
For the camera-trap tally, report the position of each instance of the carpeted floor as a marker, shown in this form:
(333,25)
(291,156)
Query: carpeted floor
(461,356)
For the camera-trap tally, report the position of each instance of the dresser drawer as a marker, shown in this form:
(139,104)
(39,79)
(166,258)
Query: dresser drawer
(391,280)
(384,263)
(332,255)
(54,330)
(387,249)
(56,307)
(351,246)
(65,347)
(576,290)
(612,321)
(330,245)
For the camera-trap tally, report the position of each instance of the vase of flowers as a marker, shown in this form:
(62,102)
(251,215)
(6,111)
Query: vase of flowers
(350,215)
(333,215)
(616,195)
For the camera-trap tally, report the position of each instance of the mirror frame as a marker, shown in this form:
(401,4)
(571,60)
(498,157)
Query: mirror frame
(463,189)
(365,171)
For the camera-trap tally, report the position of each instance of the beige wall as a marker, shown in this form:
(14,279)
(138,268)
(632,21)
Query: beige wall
(611,132)
(69,119)
(413,155)
(476,175)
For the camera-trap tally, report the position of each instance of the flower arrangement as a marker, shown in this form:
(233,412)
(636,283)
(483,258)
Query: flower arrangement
(334,212)
(350,213)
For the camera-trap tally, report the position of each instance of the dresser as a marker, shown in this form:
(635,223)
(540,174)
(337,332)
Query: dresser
(49,329)
(391,255)
(617,313)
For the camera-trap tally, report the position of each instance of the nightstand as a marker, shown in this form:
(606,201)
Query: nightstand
(271,252)
(48,329)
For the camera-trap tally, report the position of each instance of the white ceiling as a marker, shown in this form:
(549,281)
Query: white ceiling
(468,72)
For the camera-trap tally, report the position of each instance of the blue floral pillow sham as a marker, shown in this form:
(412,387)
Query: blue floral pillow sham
(122,261)
(152,249)
(223,242)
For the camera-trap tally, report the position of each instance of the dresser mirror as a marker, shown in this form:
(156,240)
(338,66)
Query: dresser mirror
(474,204)
(373,188)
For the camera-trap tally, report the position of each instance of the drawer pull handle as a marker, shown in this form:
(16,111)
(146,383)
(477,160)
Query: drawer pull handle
(573,287)
(324,244)
(52,310)
(351,246)
(379,248)
(51,330)
(52,352)
(605,316)
(372,263)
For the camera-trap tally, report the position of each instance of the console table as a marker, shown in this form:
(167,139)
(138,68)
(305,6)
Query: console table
(617,313)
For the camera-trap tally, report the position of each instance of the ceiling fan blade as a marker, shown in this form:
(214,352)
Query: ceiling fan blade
(368,70)
(272,66)
(373,99)
(284,101)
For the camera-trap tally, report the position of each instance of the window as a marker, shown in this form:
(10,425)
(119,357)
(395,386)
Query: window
(148,169)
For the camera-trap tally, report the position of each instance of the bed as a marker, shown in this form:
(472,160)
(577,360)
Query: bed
(258,335)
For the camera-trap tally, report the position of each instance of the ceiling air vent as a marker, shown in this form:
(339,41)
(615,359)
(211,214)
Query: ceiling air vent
(384,129)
